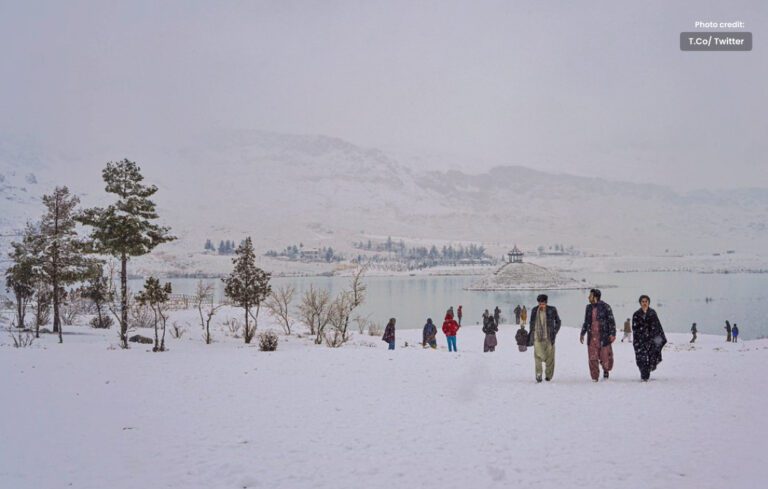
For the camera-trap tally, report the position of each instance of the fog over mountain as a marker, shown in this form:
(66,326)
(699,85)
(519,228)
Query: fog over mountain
(283,189)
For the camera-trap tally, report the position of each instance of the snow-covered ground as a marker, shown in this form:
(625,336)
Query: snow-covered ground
(86,415)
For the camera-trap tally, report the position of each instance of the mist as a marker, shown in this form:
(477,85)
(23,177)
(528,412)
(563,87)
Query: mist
(597,89)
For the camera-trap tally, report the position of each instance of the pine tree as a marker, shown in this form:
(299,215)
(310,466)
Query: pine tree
(155,296)
(247,285)
(97,289)
(62,262)
(125,228)
(20,277)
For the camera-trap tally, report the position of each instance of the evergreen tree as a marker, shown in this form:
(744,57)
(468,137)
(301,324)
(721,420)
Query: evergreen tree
(155,296)
(433,253)
(247,285)
(125,228)
(62,262)
(221,248)
(97,289)
(20,277)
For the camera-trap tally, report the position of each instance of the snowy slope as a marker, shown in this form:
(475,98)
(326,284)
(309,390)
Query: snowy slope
(227,416)
(322,191)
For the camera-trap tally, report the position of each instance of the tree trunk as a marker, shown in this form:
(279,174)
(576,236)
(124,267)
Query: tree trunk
(246,333)
(20,311)
(157,341)
(37,319)
(208,331)
(56,319)
(98,314)
(124,300)
(164,319)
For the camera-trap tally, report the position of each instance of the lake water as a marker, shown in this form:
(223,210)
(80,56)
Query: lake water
(678,297)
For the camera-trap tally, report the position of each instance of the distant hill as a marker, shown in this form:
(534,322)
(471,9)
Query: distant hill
(322,191)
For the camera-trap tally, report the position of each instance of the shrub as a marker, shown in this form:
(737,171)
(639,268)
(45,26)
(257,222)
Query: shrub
(104,323)
(22,339)
(268,341)
(177,331)
(374,329)
(233,326)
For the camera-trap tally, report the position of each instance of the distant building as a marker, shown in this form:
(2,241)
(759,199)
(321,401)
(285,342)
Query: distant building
(312,255)
(516,275)
(515,256)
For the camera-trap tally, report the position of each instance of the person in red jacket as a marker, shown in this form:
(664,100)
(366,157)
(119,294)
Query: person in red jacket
(450,328)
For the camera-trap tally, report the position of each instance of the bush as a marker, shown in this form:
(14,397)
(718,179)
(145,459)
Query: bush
(233,326)
(177,331)
(105,323)
(268,341)
(141,316)
(374,329)
(22,339)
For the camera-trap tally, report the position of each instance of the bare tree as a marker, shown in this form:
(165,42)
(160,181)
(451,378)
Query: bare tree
(341,310)
(314,311)
(338,316)
(362,323)
(278,303)
(206,308)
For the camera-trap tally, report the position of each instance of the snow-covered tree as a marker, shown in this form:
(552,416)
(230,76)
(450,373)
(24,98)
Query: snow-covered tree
(155,296)
(125,228)
(61,261)
(20,277)
(247,285)
(97,289)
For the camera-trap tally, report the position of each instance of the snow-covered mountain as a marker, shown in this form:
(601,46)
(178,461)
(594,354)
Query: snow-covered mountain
(322,191)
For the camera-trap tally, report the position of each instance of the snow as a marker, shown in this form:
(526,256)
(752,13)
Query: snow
(283,189)
(87,415)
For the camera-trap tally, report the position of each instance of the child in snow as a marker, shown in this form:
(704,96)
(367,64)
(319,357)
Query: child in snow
(389,333)
(735,333)
(428,336)
(521,337)
(627,331)
(450,328)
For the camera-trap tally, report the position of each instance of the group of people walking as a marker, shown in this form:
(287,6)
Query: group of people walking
(599,329)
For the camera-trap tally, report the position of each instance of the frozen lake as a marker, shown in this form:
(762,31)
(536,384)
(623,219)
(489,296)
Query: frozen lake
(678,297)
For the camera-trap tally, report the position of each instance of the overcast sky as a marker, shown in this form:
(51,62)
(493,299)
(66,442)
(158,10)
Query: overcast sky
(598,88)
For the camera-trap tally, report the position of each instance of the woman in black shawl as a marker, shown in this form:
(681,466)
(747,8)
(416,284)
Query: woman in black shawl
(648,338)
